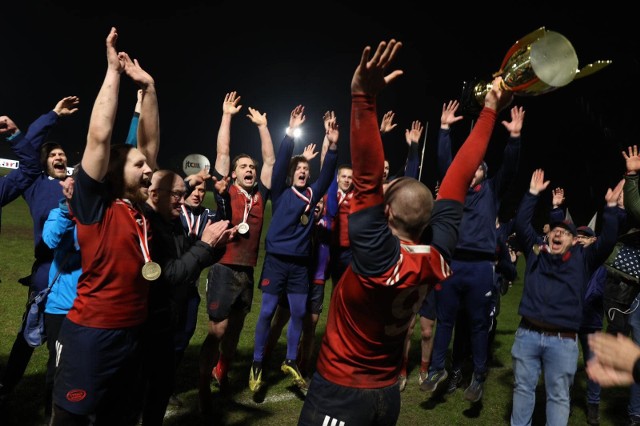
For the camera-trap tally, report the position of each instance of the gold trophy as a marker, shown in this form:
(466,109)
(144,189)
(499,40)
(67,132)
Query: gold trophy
(540,62)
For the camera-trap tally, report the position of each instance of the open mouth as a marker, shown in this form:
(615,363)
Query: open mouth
(60,166)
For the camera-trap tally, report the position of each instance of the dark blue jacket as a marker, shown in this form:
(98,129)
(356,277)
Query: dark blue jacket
(555,285)
(482,203)
(287,235)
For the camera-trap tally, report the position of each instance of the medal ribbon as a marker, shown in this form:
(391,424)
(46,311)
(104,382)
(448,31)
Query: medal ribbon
(341,196)
(142,233)
(306,197)
(188,216)
(247,205)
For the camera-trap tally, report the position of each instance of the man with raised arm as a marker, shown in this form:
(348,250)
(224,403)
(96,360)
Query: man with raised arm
(230,282)
(99,338)
(392,270)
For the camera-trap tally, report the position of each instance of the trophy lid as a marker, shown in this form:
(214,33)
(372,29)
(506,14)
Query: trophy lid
(553,59)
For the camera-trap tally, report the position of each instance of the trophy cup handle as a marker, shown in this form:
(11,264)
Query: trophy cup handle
(591,68)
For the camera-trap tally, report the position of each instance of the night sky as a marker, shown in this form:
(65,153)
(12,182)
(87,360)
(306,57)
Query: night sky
(279,56)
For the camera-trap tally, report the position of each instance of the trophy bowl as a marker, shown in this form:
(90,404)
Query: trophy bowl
(538,63)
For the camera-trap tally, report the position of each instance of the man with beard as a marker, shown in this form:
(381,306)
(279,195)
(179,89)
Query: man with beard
(42,195)
(98,341)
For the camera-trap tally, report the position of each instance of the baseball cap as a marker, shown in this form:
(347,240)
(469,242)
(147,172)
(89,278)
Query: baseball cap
(566,224)
(585,230)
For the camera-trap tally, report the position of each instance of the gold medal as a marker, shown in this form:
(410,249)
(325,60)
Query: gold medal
(243,228)
(304,219)
(151,271)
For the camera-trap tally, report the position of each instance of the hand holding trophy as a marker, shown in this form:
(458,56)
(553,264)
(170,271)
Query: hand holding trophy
(540,62)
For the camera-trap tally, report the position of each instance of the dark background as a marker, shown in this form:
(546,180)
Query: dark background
(279,55)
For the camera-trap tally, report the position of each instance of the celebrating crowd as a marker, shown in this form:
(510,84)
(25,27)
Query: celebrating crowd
(125,242)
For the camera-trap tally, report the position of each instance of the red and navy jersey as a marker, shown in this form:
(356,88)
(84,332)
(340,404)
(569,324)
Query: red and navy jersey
(369,314)
(111,290)
(387,280)
(340,230)
(243,249)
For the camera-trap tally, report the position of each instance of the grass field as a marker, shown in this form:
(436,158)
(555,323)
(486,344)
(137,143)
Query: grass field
(281,403)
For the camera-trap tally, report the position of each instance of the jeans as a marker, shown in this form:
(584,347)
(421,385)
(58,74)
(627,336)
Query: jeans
(530,351)
(634,391)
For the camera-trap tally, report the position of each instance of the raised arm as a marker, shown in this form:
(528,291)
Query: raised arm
(412,137)
(387,124)
(132,136)
(328,118)
(26,146)
(149,123)
(444,154)
(631,190)
(95,159)
(464,165)
(230,108)
(268,154)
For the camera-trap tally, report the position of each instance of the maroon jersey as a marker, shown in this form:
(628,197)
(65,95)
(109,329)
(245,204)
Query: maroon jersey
(243,249)
(111,290)
(340,231)
(387,280)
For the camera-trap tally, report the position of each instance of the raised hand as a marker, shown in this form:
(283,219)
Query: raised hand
(387,124)
(557,197)
(613,195)
(448,116)
(498,97)
(515,125)
(297,117)
(327,118)
(258,119)
(133,69)
(632,159)
(413,135)
(230,104)
(538,184)
(67,106)
(332,133)
(309,152)
(369,78)
(7,126)
(114,62)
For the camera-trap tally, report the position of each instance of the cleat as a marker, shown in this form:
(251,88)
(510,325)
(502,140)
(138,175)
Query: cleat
(290,367)
(255,377)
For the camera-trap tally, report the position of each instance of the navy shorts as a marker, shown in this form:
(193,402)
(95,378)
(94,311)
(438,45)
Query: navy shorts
(289,274)
(329,404)
(428,308)
(228,288)
(96,369)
